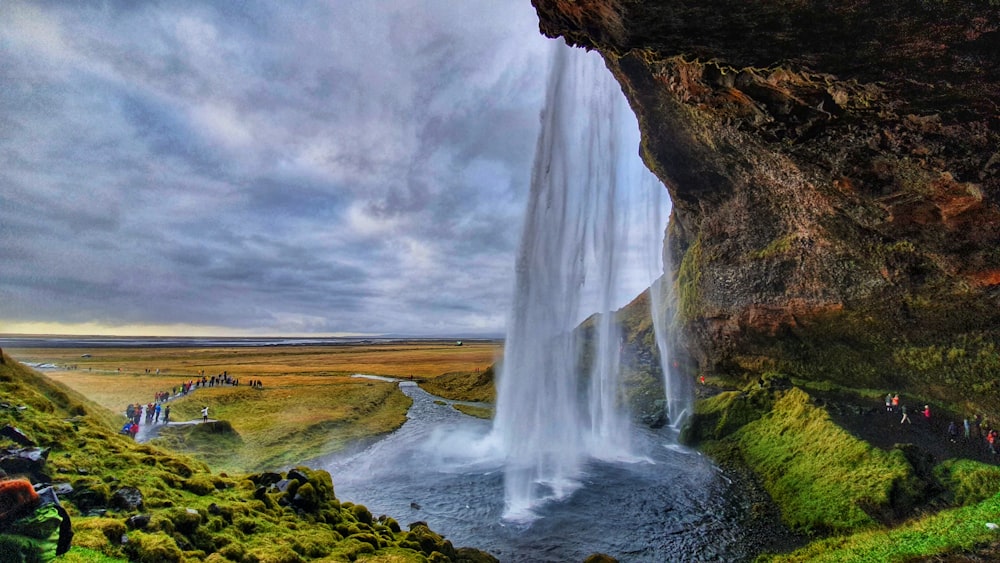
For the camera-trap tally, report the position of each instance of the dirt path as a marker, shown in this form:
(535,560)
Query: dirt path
(882,429)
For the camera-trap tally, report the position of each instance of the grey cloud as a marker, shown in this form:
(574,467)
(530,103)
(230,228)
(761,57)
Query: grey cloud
(192,163)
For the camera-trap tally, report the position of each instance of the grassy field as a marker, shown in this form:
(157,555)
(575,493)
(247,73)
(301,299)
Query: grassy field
(419,359)
(307,408)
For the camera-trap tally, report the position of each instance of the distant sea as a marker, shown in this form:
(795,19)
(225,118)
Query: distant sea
(206,342)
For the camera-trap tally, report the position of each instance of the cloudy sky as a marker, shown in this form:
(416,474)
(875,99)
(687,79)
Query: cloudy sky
(265,167)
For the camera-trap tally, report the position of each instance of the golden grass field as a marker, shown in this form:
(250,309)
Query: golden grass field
(308,406)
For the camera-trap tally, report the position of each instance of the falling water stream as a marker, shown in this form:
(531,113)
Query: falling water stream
(561,472)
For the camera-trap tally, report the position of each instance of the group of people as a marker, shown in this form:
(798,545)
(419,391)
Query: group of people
(158,412)
(151,412)
(974,429)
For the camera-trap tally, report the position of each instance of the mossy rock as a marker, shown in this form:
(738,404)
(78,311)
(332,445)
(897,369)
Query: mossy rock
(185,520)
(361,514)
(233,551)
(429,541)
(152,548)
(351,549)
(200,484)
(306,498)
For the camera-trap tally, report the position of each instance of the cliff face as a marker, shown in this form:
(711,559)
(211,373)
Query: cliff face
(834,174)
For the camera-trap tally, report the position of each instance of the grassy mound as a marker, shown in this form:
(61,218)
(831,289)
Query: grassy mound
(463,386)
(291,419)
(957,531)
(142,503)
(825,480)
(859,502)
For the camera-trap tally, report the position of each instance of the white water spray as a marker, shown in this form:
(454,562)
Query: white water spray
(663,308)
(574,250)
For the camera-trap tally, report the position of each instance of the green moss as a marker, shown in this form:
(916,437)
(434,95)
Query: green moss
(957,531)
(823,479)
(463,386)
(688,290)
(84,555)
(969,481)
(727,412)
(152,548)
(478,412)
(775,248)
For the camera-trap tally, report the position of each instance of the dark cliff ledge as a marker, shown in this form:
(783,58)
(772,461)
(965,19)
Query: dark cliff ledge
(835,174)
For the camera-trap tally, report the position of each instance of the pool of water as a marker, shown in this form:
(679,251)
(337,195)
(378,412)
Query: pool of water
(669,504)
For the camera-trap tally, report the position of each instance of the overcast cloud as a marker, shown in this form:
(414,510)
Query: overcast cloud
(272,167)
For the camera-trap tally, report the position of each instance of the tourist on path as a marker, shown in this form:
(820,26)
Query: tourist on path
(905,418)
(888,402)
(166,415)
(204,414)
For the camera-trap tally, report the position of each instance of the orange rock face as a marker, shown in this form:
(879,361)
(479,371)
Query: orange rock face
(833,164)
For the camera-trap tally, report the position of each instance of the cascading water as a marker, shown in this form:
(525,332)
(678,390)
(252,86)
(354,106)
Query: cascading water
(575,239)
(591,241)
(663,308)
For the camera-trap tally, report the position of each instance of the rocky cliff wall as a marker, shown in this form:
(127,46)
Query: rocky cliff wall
(834,173)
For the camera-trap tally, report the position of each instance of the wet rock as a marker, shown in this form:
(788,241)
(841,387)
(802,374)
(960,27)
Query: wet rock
(127,498)
(29,461)
(282,486)
(60,489)
(17,435)
(138,522)
(298,476)
(90,496)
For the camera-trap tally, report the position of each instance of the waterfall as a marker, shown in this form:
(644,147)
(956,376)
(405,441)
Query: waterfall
(663,306)
(551,416)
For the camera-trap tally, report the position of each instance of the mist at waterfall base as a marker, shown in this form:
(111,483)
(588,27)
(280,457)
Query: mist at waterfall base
(561,472)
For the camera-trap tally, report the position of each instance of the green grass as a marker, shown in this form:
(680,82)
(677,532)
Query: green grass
(82,555)
(294,418)
(478,412)
(969,481)
(824,479)
(195,515)
(463,386)
(950,531)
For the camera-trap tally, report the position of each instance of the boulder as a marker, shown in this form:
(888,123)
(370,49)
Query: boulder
(17,435)
(25,461)
(127,498)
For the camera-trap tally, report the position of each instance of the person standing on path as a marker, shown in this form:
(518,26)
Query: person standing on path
(166,415)
(888,402)
(204,414)
(905,418)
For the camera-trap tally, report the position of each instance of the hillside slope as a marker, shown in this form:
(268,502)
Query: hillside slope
(143,503)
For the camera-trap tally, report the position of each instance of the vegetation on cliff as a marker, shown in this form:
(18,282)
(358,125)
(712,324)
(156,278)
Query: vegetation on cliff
(144,503)
(855,500)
